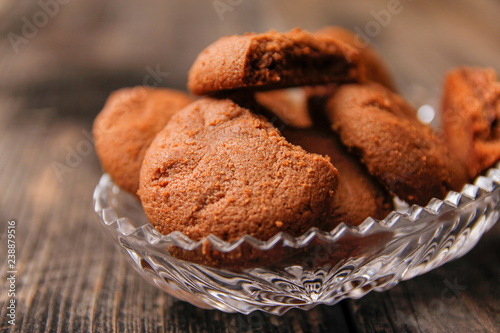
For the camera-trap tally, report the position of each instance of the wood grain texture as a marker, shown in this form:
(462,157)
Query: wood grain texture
(70,278)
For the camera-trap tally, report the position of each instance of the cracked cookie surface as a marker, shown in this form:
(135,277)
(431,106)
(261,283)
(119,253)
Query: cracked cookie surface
(217,168)
(406,156)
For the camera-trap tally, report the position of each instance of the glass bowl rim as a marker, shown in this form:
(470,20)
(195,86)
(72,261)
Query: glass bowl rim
(395,221)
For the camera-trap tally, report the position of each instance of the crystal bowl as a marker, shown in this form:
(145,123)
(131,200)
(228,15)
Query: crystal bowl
(318,267)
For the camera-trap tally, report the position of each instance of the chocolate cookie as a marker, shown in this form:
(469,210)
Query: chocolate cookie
(290,105)
(375,68)
(217,168)
(358,195)
(272,60)
(471,116)
(294,105)
(405,155)
(300,107)
(126,126)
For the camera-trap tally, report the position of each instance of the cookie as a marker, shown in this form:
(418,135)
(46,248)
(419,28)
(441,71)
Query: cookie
(405,155)
(217,168)
(128,123)
(471,116)
(374,67)
(358,195)
(294,105)
(272,60)
(290,105)
(300,107)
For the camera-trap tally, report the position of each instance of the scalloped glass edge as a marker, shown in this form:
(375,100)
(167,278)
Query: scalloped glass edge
(483,186)
(421,238)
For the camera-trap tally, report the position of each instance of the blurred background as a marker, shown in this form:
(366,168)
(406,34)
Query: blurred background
(85,49)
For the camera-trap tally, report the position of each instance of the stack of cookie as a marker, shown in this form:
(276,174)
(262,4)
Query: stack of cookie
(294,130)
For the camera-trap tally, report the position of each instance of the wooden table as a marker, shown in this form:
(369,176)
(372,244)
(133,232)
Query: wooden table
(70,278)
